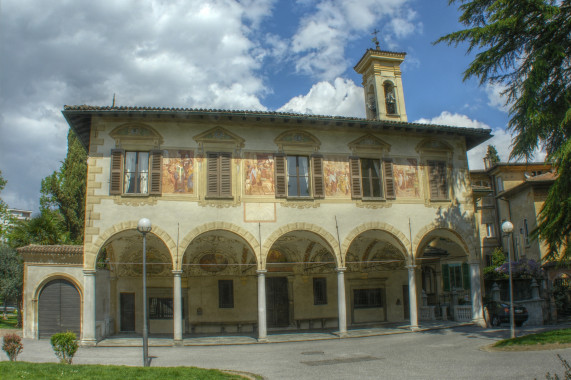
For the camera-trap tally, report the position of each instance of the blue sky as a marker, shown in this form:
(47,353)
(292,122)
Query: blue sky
(284,55)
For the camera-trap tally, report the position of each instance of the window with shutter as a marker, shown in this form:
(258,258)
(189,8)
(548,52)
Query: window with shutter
(116,180)
(136,173)
(219,175)
(280,173)
(438,180)
(389,179)
(156,171)
(317,175)
(297,169)
(355,168)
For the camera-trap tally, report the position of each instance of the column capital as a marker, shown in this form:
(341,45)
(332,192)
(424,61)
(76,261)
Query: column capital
(411,267)
(89,272)
(341,269)
(474,262)
(262,272)
(177,273)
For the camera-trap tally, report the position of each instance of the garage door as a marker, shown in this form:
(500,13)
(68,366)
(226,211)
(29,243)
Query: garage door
(59,309)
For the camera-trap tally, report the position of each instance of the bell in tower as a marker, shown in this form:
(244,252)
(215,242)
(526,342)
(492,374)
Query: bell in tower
(384,98)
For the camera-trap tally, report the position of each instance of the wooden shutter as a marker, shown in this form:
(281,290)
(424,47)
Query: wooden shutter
(317,173)
(389,179)
(155,172)
(445,278)
(225,172)
(466,276)
(212,177)
(116,178)
(280,174)
(438,179)
(355,168)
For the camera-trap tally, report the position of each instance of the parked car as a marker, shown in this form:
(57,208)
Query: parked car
(499,312)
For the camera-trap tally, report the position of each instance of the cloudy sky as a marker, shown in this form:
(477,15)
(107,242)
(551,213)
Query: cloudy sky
(282,55)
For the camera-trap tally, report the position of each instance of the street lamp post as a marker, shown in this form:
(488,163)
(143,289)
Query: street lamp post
(144,226)
(508,227)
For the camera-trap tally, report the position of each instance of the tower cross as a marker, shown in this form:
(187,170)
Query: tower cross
(375,39)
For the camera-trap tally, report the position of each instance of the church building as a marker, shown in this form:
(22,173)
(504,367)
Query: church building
(265,221)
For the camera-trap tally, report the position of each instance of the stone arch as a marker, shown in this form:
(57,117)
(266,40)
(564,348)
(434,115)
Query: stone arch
(468,244)
(212,226)
(92,250)
(385,227)
(300,226)
(58,276)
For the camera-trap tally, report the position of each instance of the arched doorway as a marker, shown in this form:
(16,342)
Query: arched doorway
(301,289)
(376,279)
(59,309)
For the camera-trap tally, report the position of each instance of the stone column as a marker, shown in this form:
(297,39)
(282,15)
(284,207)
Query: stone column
(177,304)
(476,294)
(341,304)
(262,330)
(412,297)
(89,333)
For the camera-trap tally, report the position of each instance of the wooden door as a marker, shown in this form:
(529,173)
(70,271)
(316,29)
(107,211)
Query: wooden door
(277,302)
(127,302)
(59,309)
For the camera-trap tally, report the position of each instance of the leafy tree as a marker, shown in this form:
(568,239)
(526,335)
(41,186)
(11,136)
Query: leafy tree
(525,45)
(492,155)
(45,229)
(11,277)
(64,190)
(4,214)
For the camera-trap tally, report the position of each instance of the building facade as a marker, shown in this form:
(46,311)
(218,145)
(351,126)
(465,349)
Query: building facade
(266,220)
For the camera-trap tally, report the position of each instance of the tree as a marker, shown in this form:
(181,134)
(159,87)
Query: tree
(64,190)
(525,45)
(492,155)
(47,228)
(11,277)
(5,217)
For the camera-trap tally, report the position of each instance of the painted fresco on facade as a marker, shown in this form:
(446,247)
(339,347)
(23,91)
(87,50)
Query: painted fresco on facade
(406,178)
(259,174)
(178,172)
(337,183)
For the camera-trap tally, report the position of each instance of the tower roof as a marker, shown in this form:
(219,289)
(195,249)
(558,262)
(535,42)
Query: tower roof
(377,54)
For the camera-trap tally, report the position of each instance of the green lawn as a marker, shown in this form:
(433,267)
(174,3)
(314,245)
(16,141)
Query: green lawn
(9,323)
(554,336)
(24,370)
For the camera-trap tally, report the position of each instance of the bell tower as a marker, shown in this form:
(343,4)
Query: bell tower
(384,98)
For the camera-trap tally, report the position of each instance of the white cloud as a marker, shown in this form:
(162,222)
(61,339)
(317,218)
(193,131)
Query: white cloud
(496,98)
(185,53)
(501,138)
(319,43)
(342,98)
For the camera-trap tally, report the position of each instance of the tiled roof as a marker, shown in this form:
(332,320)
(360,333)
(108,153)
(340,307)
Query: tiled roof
(79,118)
(52,249)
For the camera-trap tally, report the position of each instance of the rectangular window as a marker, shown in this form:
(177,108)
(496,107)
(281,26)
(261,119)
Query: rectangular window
(499,185)
(160,308)
(297,176)
(320,291)
(225,294)
(438,180)
(219,175)
(136,172)
(490,230)
(456,276)
(367,298)
(371,178)
(526,232)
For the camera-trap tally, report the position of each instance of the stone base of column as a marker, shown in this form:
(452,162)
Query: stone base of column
(414,328)
(88,343)
(263,340)
(480,322)
(178,342)
(341,334)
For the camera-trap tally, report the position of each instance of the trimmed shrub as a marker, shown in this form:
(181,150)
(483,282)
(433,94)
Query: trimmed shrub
(12,345)
(65,346)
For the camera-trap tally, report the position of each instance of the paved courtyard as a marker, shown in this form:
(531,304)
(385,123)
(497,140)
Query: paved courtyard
(452,353)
